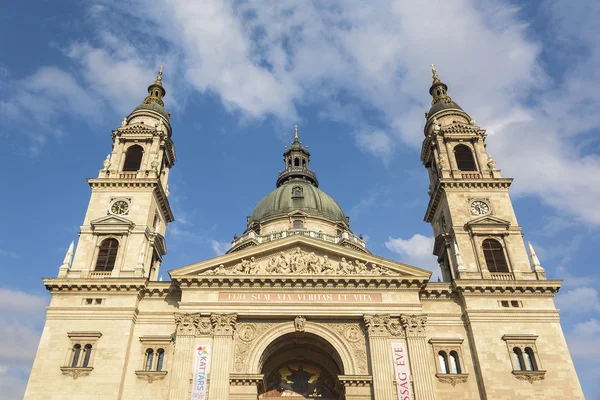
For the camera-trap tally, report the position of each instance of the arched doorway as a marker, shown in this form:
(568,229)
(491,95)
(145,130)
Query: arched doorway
(301,365)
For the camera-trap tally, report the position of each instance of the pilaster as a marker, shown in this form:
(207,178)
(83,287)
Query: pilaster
(379,328)
(416,341)
(182,357)
(222,350)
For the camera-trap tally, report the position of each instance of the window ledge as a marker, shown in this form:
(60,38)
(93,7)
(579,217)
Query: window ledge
(530,376)
(452,379)
(151,376)
(76,372)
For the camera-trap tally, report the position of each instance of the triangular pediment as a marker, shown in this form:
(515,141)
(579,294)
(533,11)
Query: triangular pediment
(113,223)
(487,220)
(462,128)
(299,256)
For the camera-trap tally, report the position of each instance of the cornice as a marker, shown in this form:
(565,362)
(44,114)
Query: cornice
(95,285)
(437,291)
(487,287)
(290,282)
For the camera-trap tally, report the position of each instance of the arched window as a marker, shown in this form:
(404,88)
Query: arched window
(296,162)
(454,364)
(133,159)
(518,355)
(443,360)
(529,358)
(149,358)
(76,354)
(107,255)
(160,354)
(494,256)
(464,158)
(304,162)
(87,353)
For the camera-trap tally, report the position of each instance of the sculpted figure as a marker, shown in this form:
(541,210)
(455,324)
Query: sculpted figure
(254,266)
(313,264)
(361,268)
(272,265)
(283,266)
(238,268)
(345,266)
(327,266)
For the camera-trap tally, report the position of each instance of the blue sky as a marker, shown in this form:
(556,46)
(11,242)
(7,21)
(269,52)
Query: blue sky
(354,75)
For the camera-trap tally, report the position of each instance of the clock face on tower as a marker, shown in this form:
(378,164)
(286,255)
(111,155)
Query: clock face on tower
(119,207)
(479,207)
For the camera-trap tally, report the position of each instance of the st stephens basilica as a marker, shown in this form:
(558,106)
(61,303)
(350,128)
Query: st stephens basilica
(299,307)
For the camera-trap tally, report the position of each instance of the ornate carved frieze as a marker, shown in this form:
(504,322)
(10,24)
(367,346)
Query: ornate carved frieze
(414,325)
(301,262)
(223,324)
(383,325)
(187,324)
(355,335)
(204,327)
(246,334)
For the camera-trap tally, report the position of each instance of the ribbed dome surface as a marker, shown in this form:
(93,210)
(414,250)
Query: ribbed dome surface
(154,107)
(282,201)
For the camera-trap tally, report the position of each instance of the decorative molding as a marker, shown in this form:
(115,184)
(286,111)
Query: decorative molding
(452,379)
(223,324)
(530,376)
(76,372)
(186,324)
(246,334)
(355,380)
(151,376)
(238,379)
(205,327)
(414,325)
(383,325)
(355,336)
(486,287)
(299,323)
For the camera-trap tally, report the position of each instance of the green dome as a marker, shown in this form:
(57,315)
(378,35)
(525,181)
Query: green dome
(295,195)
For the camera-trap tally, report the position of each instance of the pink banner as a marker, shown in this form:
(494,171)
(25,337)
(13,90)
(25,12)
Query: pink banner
(201,368)
(401,371)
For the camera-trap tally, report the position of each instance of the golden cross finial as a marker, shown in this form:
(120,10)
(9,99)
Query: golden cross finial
(296,132)
(159,77)
(434,73)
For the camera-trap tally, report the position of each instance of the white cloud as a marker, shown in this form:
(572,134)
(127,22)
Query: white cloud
(579,300)
(377,143)
(21,320)
(416,251)
(220,248)
(584,346)
(356,58)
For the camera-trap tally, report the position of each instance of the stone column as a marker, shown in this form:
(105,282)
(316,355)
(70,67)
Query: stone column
(381,362)
(182,357)
(419,356)
(222,354)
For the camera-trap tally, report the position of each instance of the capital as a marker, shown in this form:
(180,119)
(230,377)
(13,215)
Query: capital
(187,324)
(414,325)
(223,324)
(382,326)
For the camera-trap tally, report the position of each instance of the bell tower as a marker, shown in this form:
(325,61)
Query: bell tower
(476,231)
(124,227)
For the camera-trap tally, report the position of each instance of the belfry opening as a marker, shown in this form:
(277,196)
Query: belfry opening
(301,365)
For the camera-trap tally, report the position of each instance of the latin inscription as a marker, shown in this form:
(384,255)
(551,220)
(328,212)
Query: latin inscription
(274,297)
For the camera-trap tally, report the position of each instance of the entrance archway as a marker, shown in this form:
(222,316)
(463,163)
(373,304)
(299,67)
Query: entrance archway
(301,366)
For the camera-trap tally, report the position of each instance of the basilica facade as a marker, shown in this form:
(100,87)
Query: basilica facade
(299,307)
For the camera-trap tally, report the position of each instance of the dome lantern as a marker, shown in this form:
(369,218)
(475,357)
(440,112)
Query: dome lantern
(296,159)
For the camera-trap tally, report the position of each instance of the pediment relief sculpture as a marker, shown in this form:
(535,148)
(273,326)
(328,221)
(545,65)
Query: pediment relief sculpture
(301,262)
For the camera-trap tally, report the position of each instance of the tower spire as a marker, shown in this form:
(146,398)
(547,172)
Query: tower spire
(296,133)
(156,91)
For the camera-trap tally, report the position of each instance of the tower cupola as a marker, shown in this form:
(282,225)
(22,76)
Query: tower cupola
(296,158)
(154,100)
(439,92)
